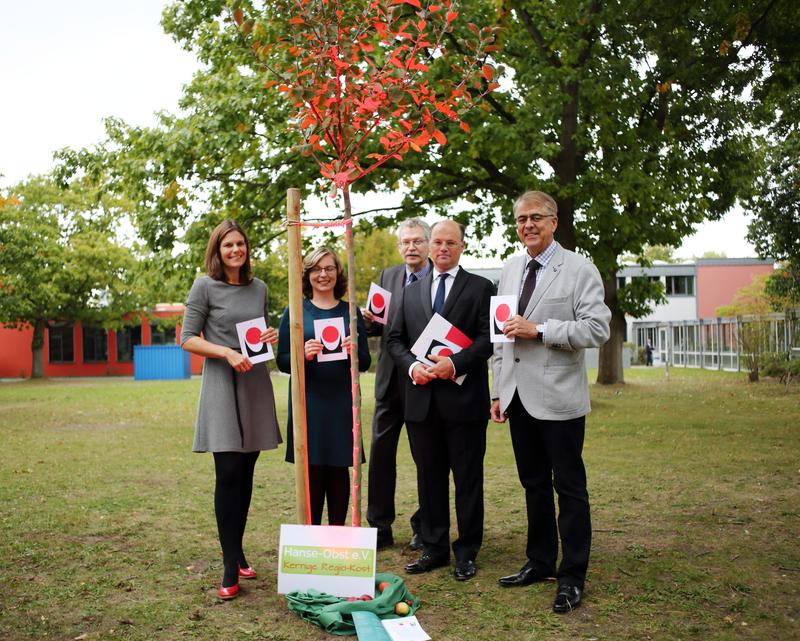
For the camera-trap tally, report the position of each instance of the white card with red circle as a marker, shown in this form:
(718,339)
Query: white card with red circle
(501,308)
(378,301)
(249,332)
(330,332)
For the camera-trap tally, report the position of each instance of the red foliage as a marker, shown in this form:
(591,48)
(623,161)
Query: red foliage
(356,72)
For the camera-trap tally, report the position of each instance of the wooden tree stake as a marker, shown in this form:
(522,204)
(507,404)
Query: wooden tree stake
(299,425)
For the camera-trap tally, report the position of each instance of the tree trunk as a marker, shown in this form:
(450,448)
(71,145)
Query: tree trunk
(37,349)
(565,166)
(609,371)
(355,512)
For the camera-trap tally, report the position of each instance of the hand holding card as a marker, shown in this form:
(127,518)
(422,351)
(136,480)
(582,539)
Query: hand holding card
(250,333)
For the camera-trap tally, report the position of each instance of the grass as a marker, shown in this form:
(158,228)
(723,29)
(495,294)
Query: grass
(107,528)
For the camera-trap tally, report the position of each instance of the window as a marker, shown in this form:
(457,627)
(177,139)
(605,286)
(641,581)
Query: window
(60,343)
(95,344)
(161,335)
(127,337)
(620,282)
(680,286)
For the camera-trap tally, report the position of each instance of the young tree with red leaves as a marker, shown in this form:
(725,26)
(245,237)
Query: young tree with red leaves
(361,78)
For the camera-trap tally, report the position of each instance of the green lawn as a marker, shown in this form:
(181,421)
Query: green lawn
(108,531)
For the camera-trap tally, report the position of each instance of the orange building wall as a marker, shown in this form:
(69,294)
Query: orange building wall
(15,354)
(717,284)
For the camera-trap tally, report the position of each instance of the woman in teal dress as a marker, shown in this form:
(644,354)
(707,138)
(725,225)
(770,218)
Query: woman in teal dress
(329,398)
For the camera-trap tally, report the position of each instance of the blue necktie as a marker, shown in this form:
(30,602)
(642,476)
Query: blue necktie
(438,301)
(412,277)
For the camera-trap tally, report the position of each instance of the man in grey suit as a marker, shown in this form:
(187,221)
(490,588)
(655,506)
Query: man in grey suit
(413,238)
(541,386)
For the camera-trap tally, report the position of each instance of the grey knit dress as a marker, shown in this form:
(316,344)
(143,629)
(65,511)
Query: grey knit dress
(236,412)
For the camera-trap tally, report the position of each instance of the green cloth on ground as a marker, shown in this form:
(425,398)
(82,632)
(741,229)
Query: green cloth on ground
(333,614)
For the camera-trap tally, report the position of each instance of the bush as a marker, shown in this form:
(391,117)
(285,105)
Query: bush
(774,364)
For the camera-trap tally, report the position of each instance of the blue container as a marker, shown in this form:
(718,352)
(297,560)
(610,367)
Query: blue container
(160,362)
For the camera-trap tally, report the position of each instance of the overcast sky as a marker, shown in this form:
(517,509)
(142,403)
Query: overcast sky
(66,65)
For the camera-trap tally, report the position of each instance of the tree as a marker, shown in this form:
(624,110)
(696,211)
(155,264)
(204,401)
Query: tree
(635,115)
(750,306)
(59,260)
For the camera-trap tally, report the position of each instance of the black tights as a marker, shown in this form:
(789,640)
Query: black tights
(232,494)
(333,482)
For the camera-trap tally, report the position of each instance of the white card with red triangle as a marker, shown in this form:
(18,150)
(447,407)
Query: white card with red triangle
(378,301)
(249,332)
(330,332)
(442,338)
(501,308)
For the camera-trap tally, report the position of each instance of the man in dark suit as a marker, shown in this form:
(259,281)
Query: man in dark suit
(413,236)
(541,386)
(446,421)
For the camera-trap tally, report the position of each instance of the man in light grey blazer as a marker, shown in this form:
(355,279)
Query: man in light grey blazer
(541,386)
(413,238)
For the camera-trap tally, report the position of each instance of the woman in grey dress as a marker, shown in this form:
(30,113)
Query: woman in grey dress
(236,413)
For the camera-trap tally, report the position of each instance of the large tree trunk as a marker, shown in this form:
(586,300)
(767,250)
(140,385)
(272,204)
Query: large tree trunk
(609,369)
(37,349)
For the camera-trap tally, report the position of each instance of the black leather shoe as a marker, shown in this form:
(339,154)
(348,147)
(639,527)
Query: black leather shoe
(568,598)
(426,563)
(416,542)
(525,576)
(465,570)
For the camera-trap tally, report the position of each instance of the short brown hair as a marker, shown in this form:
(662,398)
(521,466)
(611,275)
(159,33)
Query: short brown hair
(311,260)
(214,266)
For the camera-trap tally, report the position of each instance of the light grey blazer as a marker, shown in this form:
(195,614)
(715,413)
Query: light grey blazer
(551,375)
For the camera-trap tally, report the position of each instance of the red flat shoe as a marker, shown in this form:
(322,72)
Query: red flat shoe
(247,573)
(226,594)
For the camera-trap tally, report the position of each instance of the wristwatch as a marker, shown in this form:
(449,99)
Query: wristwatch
(540,333)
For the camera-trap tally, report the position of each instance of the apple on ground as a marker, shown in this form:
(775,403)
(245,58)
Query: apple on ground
(383,585)
(402,608)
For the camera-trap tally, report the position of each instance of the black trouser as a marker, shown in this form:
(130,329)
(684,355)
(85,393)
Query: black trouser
(387,423)
(439,446)
(549,455)
(232,493)
(331,482)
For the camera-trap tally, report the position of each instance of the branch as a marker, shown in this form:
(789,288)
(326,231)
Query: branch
(535,35)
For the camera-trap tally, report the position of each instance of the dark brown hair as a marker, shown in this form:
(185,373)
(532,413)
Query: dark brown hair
(312,260)
(214,266)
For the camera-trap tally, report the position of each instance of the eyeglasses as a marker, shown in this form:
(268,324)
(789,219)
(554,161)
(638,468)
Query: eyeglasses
(536,218)
(412,242)
(330,269)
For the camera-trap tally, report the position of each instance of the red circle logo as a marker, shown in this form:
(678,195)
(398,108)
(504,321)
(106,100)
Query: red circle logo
(253,335)
(502,313)
(330,334)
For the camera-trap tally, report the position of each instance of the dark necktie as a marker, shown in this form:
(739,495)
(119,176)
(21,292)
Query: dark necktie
(528,287)
(438,301)
(412,277)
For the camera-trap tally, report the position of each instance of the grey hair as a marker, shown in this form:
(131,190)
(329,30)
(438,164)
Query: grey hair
(408,223)
(538,197)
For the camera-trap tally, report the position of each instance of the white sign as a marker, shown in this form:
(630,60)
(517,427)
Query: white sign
(501,308)
(378,301)
(442,338)
(330,332)
(335,559)
(250,340)
(404,629)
